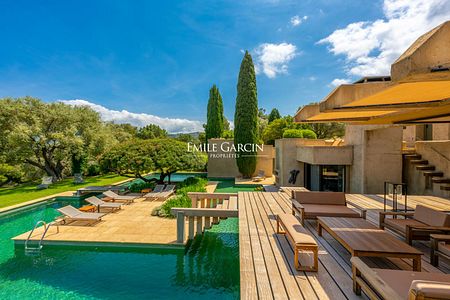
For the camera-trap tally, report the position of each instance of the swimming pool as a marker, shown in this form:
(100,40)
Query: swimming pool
(209,269)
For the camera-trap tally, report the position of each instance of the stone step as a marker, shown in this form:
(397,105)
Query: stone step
(445,187)
(419,162)
(425,167)
(440,180)
(413,156)
(433,173)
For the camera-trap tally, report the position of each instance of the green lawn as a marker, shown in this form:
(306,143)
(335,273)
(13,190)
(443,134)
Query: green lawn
(25,192)
(228,186)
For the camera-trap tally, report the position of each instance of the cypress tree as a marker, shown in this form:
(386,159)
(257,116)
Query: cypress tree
(214,118)
(274,114)
(246,116)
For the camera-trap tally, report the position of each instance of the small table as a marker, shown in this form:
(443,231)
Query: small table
(88,208)
(361,238)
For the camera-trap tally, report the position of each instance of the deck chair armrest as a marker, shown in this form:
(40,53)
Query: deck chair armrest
(428,228)
(297,206)
(393,213)
(441,237)
(362,209)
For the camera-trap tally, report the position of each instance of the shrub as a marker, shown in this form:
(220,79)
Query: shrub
(138,186)
(293,133)
(191,184)
(93,168)
(309,134)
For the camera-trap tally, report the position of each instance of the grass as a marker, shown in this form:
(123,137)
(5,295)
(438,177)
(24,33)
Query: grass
(228,186)
(26,192)
(193,184)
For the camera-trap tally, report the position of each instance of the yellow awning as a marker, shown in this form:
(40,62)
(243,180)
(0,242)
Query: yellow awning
(341,116)
(408,94)
(369,117)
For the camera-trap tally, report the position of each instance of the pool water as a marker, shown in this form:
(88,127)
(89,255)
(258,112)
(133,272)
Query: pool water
(208,270)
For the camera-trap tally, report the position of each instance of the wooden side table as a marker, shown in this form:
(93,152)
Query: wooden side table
(88,208)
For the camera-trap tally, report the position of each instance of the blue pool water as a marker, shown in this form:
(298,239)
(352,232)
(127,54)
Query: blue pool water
(208,270)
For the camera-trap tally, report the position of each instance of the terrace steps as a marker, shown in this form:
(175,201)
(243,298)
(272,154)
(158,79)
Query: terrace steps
(429,171)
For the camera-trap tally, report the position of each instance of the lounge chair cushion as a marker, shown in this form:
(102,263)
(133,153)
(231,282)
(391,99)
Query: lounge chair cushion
(296,231)
(444,248)
(328,198)
(401,281)
(400,224)
(431,217)
(319,210)
(431,289)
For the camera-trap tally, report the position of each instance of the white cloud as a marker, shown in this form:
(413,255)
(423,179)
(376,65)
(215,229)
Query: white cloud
(297,20)
(141,119)
(338,82)
(273,59)
(371,47)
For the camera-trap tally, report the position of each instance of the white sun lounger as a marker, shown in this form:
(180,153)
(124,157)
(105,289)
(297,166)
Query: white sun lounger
(72,214)
(163,195)
(102,204)
(120,198)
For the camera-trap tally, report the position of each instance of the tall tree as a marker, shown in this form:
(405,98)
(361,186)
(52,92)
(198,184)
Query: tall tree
(215,119)
(138,157)
(151,131)
(246,116)
(47,135)
(274,114)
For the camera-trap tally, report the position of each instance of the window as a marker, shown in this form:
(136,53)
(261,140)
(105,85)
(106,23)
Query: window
(326,178)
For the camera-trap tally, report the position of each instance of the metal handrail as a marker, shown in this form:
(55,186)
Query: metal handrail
(46,228)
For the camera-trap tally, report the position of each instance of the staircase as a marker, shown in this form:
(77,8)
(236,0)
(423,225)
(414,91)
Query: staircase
(429,171)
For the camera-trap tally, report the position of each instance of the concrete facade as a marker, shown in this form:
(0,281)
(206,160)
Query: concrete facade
(371,154)
(222,164)
(437,153)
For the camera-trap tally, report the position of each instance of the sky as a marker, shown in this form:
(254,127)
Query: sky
(144,62)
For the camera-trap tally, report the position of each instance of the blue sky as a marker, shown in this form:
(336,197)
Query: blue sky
(146,61)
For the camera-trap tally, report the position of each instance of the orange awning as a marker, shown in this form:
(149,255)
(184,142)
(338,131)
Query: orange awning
(408,94)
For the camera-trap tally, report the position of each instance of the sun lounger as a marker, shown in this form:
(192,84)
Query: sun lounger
(260,177)
(71,214)
(168,191)
(310,205)
(417,225)
(300,239)
(119,198)
(102,204)
(398,284)
(46,181)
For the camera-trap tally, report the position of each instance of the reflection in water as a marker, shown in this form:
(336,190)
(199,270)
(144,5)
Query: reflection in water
(208,269)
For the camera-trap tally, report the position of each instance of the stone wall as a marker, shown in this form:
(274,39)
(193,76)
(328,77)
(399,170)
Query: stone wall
(222,164)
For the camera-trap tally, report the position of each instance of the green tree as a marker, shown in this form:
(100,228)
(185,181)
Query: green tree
(47,135)
(274,114)
(140,157)
(246,116)
(292,133)
(9,174)
(328,130)
(274,131)
(215,119)
(151,131)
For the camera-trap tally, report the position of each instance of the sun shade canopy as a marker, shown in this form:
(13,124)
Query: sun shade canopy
(410,94)
(401,103)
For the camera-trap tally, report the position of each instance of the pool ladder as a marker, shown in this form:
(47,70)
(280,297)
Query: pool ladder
(36,249)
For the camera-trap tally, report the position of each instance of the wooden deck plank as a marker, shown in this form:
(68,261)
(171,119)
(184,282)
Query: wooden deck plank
(276,281)
(247,268)
(323,283)
(261,272)
(283,264)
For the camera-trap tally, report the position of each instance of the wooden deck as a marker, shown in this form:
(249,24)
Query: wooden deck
(266,258)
